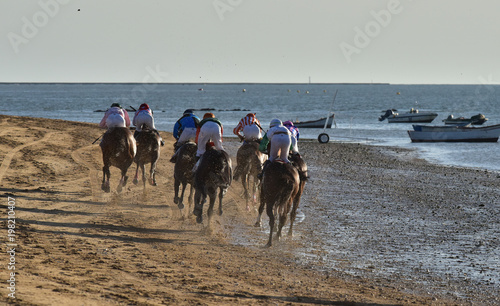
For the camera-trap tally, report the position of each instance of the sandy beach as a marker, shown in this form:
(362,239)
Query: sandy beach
(76,244)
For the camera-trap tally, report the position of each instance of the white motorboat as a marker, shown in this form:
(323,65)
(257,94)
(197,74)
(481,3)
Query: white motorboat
(412,116)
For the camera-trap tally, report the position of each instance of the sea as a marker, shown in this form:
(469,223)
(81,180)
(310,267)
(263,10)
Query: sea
(357,108)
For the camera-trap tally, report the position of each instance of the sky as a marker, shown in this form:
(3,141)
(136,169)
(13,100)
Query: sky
(263,41)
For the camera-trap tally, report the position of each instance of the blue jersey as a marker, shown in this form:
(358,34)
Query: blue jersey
(186,121)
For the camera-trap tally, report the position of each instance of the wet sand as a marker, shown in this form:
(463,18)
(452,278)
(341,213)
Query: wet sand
(77,244)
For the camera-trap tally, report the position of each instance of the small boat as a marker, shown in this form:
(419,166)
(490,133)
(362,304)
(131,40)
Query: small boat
(475,120)
(455,133)
(412,116)
(437,128)
(319,123)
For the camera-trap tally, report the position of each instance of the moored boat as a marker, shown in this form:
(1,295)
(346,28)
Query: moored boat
(319,123)
(455,133)
(412,116)
(475,120)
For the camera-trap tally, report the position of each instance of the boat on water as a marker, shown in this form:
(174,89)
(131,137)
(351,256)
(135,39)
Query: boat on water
(412,116)
(465,133)
(475,120)
(319,123)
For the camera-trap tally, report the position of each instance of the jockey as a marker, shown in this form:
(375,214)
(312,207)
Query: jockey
(292,128)
(185,130)
(281,142)
(144,117)
(185,127)
(250,126)
(209,129)
(115,116)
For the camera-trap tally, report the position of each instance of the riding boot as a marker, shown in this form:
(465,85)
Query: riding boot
(266,163)
(173,159)
(161,140)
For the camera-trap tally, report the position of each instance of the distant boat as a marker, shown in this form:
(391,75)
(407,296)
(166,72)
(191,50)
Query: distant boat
(467,133)
(319,123)
(475,120)
(412,116)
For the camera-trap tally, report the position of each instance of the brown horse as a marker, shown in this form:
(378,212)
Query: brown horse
(118,149)
(148,152)
(279,188)
(214,173)
(249,163)
(183,172)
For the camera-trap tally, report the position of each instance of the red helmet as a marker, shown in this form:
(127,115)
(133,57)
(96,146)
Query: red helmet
(144,106)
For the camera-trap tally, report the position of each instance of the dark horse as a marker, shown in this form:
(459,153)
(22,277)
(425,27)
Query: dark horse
(249,163)
(118,149)
(214,174)
(279,189)
(148,152)
(183,172)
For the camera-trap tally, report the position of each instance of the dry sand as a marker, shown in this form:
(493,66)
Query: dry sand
(79,245)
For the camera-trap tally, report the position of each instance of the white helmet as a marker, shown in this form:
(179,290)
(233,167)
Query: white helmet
(275,122)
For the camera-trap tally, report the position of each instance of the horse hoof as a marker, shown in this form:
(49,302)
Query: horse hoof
(105,188)
(153,183)
(220,212)
(258,224)
(176,200)
(199,219)
(180,205)
(136,181)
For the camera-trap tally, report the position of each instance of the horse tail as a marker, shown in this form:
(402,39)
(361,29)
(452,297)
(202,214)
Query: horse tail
(131,144)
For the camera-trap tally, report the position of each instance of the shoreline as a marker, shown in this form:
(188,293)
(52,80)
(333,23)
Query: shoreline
(79,243)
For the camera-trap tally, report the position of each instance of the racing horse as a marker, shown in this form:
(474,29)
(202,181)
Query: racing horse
(279,189)
(118,148)
(249,163)
(183,172)
(148,152)
(214,173)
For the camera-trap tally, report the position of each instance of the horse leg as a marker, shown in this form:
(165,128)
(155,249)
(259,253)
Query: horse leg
(177,184)
(282,220)
(152,174)
(261,210)
(270,214)
(181,204)
(123,180)
(105,179)
(212,194)
(143,170)
(245,180)
(258,223)
(136,176)
(190,198)
(199,200)
(222,192)
(296,202)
